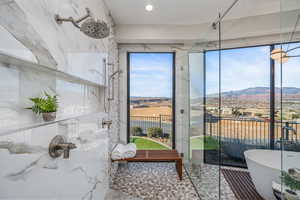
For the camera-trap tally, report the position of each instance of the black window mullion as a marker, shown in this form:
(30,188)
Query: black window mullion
(272,101)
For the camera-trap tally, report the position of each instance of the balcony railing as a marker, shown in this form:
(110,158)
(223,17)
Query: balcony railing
(238,135)
(250,131)
(145,122)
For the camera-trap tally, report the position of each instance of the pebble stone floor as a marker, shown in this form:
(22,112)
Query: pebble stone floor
(153,181)
(206,180)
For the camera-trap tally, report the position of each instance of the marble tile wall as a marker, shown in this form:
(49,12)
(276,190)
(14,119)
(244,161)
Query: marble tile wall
(31,33)
(28,172)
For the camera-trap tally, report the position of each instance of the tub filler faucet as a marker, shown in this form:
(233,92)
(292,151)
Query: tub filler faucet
(59,146)
(285,139)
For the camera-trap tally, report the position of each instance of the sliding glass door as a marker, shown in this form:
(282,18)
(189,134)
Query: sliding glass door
(205,177)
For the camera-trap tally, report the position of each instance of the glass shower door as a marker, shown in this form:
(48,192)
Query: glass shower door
(205,176)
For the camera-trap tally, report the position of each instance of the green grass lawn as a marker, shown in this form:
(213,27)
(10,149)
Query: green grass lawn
(143,143)
(198,143)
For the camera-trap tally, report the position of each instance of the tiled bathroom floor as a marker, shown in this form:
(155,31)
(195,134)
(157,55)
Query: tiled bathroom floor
(153,181)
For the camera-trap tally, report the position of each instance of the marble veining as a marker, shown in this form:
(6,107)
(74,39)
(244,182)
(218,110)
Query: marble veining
(32,34)
(14,20)
(86,171)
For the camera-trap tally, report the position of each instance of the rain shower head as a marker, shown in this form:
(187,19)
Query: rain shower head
(95,28)
(91,27)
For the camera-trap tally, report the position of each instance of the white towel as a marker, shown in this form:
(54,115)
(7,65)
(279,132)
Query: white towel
(130,150)
(118,152)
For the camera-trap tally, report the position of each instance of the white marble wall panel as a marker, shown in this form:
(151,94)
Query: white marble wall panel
(90,66)
(64,47)
(68,45)
(182,102)
(15,21)
(12,46)
(9,90)
(76,99)
(17,86)
(28,172)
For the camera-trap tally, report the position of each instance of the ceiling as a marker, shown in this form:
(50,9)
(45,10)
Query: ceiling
(186,12)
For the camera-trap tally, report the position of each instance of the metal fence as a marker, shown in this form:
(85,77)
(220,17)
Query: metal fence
(145,122)
(239,135)
(250,131)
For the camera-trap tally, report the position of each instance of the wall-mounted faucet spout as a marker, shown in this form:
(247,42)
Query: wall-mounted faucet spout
(66,147)
(106,123)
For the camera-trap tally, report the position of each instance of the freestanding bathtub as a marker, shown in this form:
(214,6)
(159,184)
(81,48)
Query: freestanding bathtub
(265,166)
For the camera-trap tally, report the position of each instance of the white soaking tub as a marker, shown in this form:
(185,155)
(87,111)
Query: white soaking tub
(265,167)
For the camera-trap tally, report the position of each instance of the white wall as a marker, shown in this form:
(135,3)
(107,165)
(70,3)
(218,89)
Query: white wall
(243,31)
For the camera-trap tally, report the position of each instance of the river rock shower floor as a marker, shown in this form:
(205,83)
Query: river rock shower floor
(153,181)
(206,180)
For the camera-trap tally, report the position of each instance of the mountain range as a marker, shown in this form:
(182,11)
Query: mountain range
(262,91)
(259,93)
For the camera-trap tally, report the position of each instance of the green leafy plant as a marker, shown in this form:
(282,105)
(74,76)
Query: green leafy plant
(155,132)
(136,131)
(290,182)
(46,104)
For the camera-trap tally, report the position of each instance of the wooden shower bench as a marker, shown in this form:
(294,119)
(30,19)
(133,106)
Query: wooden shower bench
(158,156)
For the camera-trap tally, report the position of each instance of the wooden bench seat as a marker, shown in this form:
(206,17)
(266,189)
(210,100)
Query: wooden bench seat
(158,156)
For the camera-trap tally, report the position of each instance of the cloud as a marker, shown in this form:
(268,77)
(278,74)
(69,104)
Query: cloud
(151,75)
(149,69)
(240,69)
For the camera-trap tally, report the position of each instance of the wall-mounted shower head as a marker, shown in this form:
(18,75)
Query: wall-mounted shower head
(91,27)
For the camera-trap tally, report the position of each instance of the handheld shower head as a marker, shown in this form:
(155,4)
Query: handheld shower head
(91,27)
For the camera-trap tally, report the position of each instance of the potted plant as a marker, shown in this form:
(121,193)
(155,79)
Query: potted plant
(47,106)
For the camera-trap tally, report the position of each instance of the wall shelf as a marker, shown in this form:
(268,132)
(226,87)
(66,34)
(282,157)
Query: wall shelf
(21,63)
(23,127)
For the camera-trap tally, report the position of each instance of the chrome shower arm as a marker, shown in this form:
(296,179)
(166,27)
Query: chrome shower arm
(88,14)
(94,28)
(60,20)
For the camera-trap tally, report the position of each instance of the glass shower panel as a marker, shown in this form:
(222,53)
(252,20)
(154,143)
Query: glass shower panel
(289,66)
(196,71)
(205,175)
(245,102)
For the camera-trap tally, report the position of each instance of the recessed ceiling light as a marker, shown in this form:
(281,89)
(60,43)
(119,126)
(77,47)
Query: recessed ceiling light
(149,7)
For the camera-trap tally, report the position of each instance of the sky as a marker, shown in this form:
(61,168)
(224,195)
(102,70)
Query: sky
(249,67)
(151,74)
(240,69)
